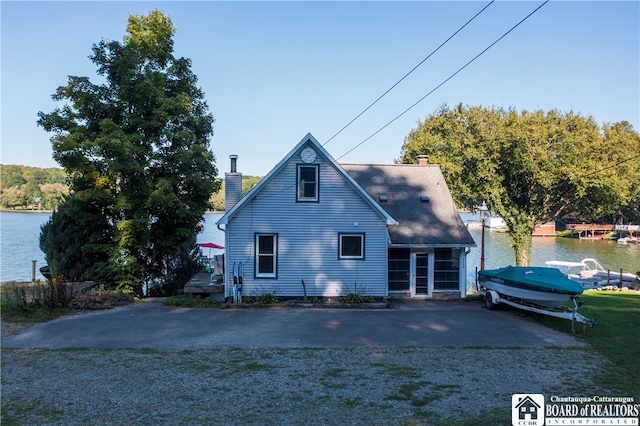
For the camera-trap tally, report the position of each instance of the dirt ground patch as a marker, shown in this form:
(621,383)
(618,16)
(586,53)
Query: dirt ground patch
(13,328)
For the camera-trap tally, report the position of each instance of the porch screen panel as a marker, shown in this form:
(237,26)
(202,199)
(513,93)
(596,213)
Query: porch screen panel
(446,269)
(398,269)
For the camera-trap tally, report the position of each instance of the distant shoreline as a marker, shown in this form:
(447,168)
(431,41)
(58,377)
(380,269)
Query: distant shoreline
(51,211)
(24,211)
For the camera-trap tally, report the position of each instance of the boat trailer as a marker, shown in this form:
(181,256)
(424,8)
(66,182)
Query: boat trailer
(493,298)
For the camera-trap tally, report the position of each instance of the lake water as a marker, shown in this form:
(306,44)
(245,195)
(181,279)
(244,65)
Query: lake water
(19,233)
(19,242)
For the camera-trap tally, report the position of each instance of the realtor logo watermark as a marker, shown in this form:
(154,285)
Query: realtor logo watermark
(527,409)
(534,410)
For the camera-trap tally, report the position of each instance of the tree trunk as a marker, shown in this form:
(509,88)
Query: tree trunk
(521,244)
(523,255)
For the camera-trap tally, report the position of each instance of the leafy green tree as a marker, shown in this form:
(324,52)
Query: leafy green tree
(217,199)
(32,192)
(139,144)
(53,194)
(530,167)
(32,177)
(14,196)
(11,175)
(248,182)
(180,269)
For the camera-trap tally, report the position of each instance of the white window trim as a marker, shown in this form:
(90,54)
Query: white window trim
(273,274)
(362,245)
(316,197)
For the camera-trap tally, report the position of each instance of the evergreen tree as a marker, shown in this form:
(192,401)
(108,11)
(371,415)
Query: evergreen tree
(76,241)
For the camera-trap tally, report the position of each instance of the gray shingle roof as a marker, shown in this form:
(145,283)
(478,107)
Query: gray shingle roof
(434,223)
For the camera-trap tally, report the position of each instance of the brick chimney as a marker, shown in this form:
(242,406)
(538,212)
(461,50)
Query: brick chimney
(232,185)
(423,159)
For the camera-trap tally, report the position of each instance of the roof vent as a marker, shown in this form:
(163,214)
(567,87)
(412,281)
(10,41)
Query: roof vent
(383,198)
(424,198)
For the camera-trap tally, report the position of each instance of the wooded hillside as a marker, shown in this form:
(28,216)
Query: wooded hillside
(25,187)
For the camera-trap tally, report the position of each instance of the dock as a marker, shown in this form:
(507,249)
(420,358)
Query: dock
(206,283)
(590,231)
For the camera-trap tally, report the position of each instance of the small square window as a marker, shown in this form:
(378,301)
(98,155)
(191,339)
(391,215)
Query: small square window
(351,246)
(307,183)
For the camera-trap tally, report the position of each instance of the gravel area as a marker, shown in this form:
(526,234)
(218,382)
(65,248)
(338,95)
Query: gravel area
(294,386)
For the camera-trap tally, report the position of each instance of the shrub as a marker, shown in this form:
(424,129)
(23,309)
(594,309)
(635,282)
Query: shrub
(35,302)
(352,298)
(190,301)
(267,299)
(248,299)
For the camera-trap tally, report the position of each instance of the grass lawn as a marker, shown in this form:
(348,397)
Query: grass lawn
(616,336)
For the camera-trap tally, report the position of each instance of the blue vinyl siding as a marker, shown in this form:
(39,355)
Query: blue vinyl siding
(308,236)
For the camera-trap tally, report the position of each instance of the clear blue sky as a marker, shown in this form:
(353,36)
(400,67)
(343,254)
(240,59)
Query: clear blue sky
(274,71)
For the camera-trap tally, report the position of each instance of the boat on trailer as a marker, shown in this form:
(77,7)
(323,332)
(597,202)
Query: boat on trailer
(536,289)
(546,287)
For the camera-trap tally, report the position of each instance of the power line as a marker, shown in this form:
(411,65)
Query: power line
(407,74)
(335,160)
(446,80)
(566,181)
(609,167)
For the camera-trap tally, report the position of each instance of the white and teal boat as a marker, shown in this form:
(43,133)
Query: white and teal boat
(544,287)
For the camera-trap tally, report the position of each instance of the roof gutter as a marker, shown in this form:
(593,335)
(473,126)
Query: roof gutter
(409,245)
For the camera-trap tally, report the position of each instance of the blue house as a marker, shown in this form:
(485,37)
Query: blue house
(379,230)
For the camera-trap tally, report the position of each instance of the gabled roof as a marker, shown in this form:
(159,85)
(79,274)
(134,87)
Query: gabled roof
(434,223)
(308,140)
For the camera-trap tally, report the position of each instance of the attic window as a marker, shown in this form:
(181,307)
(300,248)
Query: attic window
(424,198)
(383,198)
(307,183)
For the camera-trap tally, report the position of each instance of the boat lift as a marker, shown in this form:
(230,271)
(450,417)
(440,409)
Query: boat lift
(493,298)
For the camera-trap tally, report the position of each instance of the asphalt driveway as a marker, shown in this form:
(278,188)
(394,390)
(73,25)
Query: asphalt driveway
(422,324)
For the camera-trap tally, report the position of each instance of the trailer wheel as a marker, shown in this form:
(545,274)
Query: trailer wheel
(488,301)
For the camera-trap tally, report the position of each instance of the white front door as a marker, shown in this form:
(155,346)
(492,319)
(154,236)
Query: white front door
(419,275)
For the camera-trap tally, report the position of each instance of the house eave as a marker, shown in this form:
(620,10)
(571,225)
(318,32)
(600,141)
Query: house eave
(390,221)
(425,246)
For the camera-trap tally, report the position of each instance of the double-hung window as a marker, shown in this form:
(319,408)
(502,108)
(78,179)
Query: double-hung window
(351,246)
(266,255)
(307,183)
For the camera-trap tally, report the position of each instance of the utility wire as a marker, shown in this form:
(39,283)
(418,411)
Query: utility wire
(446,80)
(421,99)
(612,166)
(407,74)
(582,176)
